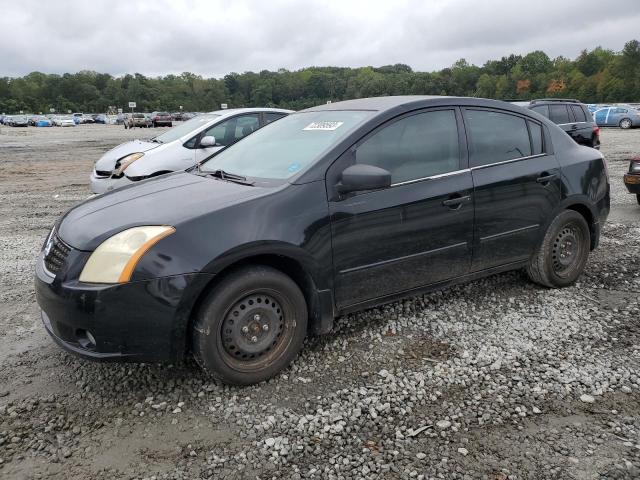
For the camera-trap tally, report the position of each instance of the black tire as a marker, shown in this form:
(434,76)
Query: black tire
(125,126)
(155,125)
(170,125)
(562,255)
(625,123)
(638,198)
(250,326)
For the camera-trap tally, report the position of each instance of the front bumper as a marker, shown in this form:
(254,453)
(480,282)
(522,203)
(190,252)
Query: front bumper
(106,184)
(632,182)
(142,321)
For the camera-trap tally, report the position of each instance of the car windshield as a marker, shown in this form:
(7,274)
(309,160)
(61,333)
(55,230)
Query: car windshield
(286,147)
(187,127)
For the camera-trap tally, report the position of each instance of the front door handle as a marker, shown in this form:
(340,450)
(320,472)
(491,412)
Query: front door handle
(456,202)
(546,177)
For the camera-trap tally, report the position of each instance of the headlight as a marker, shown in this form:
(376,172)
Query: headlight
(115,259)
(126,161)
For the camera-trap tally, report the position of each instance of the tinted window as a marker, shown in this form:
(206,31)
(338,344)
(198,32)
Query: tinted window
(535,129)
(495,137)
(578,113)
(558,114)
(414,147)
(620,110)
(272,117)
(542,110)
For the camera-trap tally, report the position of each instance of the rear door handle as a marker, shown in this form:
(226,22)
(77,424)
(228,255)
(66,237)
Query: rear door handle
(546,177)
(456,202)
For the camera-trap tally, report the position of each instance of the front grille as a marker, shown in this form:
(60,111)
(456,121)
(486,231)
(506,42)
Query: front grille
(56,255)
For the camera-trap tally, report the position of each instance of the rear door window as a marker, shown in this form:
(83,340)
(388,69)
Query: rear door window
(272,117)
(559,114)
(496,137)
(245,125)
(578,113)
(542,110)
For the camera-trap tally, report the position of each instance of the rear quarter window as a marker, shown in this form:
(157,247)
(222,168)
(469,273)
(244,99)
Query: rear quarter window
(537,142)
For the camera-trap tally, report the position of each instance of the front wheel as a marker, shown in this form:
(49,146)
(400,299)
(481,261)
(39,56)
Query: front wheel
(625,123)
(251,326)
(562,255)
(638,198)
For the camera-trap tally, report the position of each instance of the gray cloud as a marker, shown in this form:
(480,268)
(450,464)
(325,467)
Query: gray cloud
(213,38)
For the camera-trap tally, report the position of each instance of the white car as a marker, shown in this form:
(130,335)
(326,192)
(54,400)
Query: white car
(179,148)
(63,122)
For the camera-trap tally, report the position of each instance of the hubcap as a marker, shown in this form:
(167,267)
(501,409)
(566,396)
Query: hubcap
(626,124)
(566,249)
(253,327)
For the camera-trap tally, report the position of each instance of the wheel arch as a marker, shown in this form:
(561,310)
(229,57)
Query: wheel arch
(587,211)
(319,299)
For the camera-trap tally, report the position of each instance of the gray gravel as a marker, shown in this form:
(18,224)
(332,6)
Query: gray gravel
(495,379)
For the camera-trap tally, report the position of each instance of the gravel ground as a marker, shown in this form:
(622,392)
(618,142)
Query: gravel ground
(497,379)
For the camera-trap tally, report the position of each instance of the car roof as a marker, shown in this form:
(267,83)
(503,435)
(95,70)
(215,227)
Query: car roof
(409,102)
(234,111)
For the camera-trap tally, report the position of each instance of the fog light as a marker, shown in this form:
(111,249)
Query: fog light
(85,339)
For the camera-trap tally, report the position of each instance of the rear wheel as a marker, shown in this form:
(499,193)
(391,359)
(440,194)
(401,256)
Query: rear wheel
(562,255)
(625,123)
(251,326)
(638,198)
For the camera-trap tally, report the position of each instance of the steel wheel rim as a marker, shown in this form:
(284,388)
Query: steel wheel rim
(567,249)
(256,330)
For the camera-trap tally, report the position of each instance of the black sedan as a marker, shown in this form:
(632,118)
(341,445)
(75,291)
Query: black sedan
(328,211)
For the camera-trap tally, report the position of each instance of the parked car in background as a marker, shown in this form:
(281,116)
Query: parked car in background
(43,122)
(139,120)
(77,118)
(32,119)
(618,116)
(572,116)
(632,177)
(19,121)
(179,148)
(100,118)
(327,211)
(161,119)
(62,121)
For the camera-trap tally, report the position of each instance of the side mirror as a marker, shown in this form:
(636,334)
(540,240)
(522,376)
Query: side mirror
(208,141)
(361,177)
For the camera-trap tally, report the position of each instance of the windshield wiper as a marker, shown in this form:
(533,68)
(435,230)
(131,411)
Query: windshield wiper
(231,177)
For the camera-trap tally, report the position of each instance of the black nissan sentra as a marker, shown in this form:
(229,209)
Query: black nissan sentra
(327,211)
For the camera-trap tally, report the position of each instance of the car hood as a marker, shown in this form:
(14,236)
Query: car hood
(108,161)
(165,200)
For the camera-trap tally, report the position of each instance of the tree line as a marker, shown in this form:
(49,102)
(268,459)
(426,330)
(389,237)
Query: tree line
(595,76)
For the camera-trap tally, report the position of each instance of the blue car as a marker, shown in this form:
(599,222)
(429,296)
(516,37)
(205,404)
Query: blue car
(43,122)
(617,116)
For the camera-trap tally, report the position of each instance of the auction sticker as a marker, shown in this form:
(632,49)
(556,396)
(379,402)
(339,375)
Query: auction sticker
(323,126)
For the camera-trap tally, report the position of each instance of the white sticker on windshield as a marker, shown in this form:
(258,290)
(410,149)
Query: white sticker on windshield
(323,126)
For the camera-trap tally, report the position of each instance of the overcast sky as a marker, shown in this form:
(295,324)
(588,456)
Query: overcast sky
(212,38)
